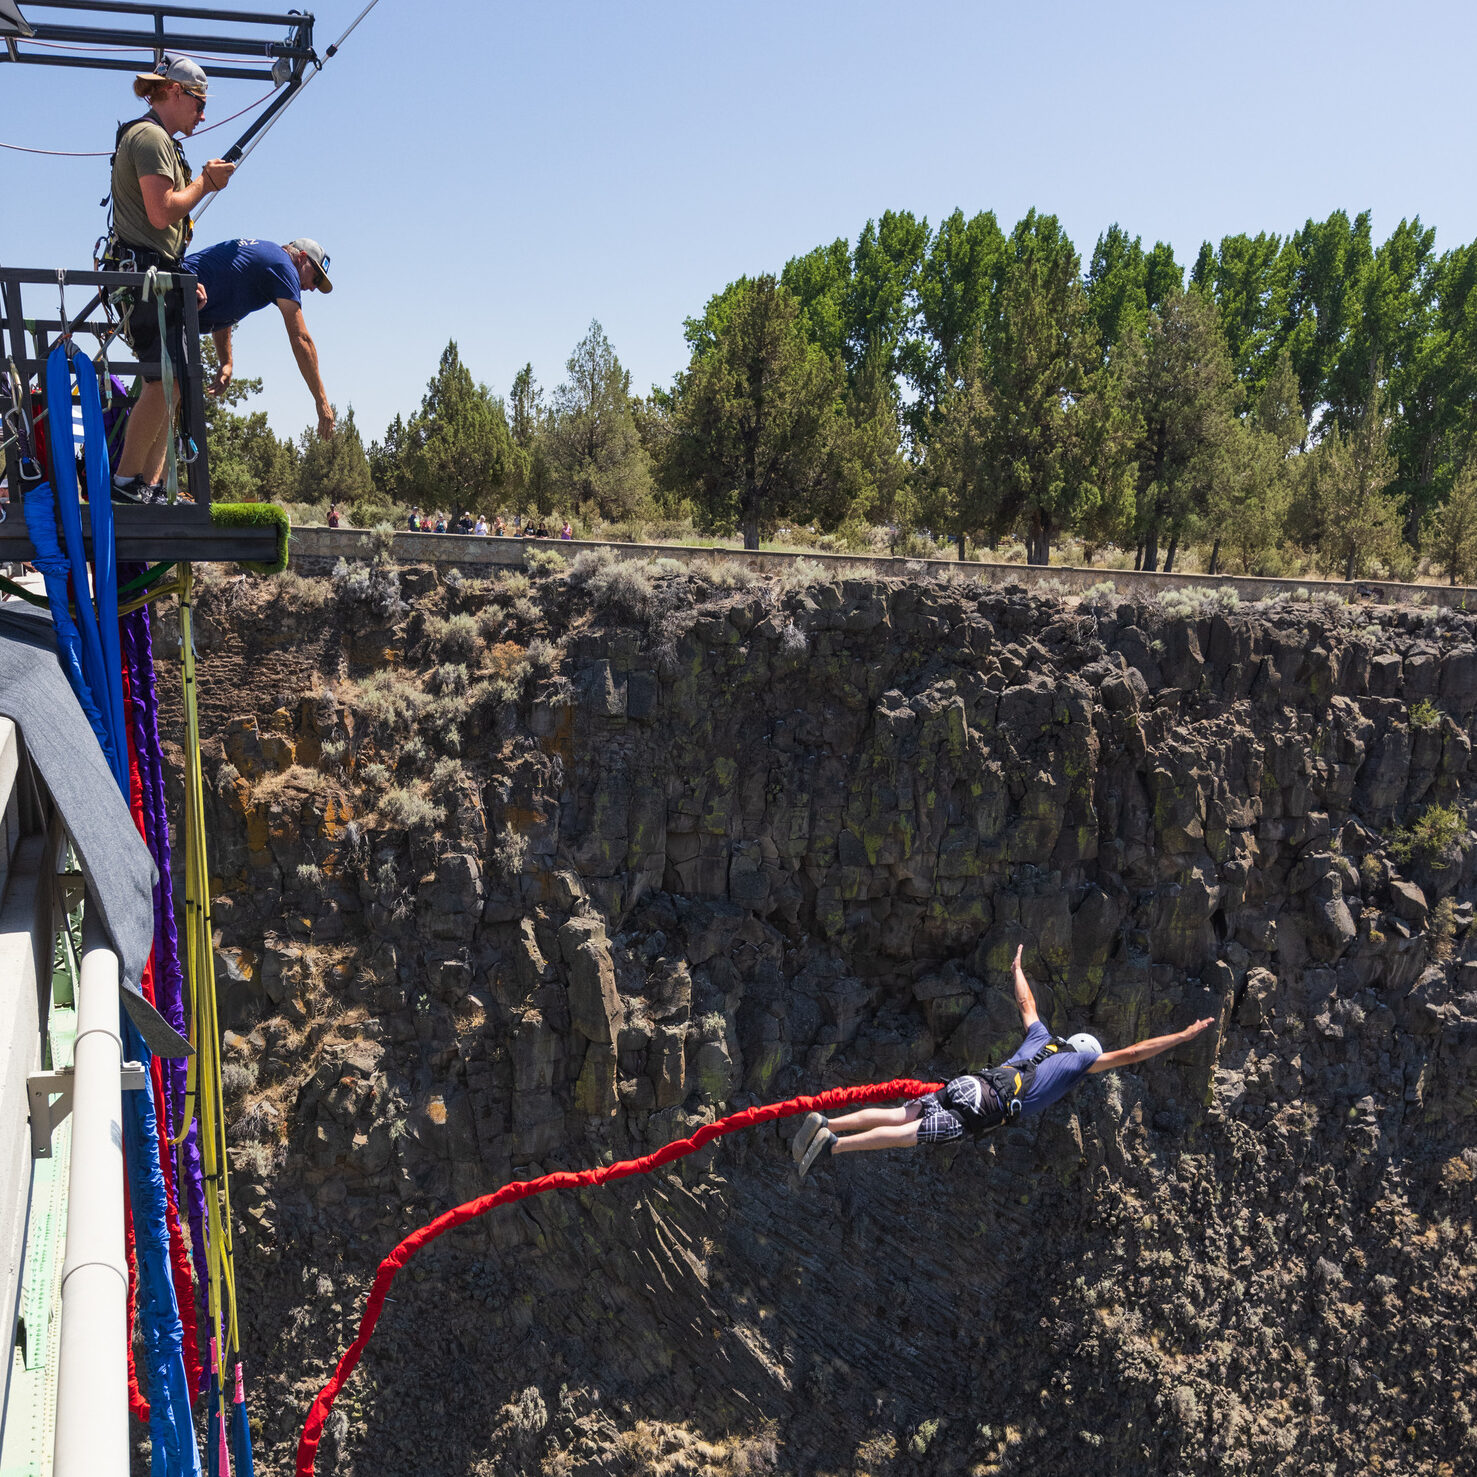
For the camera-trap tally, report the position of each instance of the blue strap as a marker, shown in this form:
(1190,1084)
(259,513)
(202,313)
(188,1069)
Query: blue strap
(96,674)
(64,473)
(54,567)
(104,552)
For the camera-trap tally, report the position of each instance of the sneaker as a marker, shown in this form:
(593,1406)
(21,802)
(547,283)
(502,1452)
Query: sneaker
(820,1148)
(801,1142)
(135,490)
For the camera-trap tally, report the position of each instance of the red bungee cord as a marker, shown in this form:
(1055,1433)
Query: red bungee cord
(824,1102)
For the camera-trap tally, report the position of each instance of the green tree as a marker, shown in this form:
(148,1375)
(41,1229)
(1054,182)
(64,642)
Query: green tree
(529,481)
(882,306)
(760,430)
(456,450)
(1350,474)
(1182,392)
(959,282)
(389,464)
(1124,283)
(1249,509)
(595,453)
(820,281)
(248,463)
(337,470)
(1451,532)
(1329,259)
(1036,357)
(1251,282)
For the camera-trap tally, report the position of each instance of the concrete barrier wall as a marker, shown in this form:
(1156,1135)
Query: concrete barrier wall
(470,553)
(25,975)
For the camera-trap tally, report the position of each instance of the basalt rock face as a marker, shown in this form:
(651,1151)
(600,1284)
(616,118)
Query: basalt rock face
(756,842)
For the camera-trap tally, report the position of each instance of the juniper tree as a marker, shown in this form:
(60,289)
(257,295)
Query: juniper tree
(1451,532)
(759,430)
(596,460)
(1350,475)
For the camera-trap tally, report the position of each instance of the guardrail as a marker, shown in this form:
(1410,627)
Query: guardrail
(472,552)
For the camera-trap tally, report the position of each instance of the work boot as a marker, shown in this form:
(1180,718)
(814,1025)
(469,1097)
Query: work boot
(135,490)
(821,1145)
(801,1142)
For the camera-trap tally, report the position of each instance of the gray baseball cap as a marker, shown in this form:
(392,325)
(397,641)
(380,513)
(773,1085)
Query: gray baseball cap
(175,69)
(317,256)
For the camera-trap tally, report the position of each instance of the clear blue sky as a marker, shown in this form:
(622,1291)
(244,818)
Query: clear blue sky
(502,174)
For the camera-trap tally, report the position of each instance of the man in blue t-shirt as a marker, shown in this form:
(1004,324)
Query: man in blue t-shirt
(241,277)
(1040,1071)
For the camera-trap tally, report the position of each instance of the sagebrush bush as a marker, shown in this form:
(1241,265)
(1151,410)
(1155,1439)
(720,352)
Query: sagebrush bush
(490,620)
(545,561)
(450,677)
(587,564)
(455,638)
(298,593)
(410,809)
(513,584)
(731,574)
(388,700)
(622,590)
(376,585)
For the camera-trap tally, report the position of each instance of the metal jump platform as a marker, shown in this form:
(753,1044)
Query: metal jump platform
(270,48)
(31,305)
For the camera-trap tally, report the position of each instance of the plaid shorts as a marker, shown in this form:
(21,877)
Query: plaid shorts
(938,1125)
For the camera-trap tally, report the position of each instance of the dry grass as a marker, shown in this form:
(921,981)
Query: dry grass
(297,781)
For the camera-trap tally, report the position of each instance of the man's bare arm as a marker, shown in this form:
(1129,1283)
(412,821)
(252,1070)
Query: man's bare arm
(1023,996)
(305,351)
(164,205)
(224,366)
(1129,1056)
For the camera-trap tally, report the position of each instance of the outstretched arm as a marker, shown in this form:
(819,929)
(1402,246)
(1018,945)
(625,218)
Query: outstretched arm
(1129,1056)
(305,351)
(1023,996)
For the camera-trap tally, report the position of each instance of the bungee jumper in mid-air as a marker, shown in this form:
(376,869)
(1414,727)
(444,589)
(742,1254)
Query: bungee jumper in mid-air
(1042,1069)
(1039,1073)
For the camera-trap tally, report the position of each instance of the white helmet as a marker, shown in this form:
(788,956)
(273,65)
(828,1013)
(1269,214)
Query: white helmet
(1082,1042)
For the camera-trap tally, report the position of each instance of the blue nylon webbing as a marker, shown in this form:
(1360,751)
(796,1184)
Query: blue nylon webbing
(98,680)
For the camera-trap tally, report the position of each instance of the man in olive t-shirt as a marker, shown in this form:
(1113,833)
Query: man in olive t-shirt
(153,195)
(147,151)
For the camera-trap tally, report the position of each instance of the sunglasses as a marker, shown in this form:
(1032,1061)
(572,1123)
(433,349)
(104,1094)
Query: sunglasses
(195,98)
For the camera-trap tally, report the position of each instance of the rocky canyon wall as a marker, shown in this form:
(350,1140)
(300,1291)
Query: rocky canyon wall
(536,874)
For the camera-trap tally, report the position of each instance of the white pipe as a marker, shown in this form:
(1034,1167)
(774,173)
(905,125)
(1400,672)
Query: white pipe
(92,1367)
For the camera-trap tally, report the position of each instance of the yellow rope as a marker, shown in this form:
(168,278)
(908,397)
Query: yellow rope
(205,1084)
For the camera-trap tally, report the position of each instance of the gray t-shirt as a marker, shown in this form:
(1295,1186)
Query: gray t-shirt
(146,149)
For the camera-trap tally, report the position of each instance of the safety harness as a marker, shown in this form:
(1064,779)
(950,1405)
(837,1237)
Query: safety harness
(1003,1090)
(115,250)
